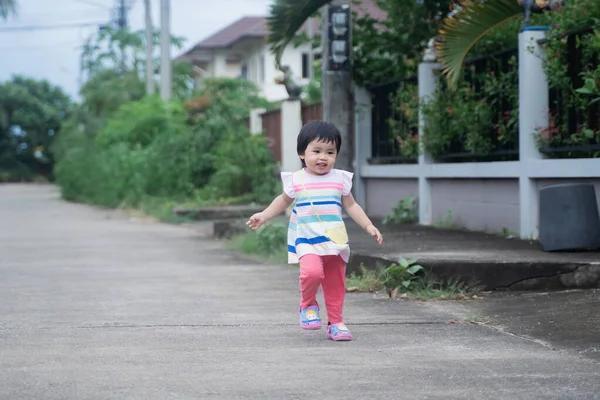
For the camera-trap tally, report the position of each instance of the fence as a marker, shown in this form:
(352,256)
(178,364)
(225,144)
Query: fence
(572,115)
(509,172)
(491,99)
(479,122)
(392,121)
(271,123)
(311,112)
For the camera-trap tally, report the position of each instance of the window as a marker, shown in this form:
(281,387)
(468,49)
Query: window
(305,65)
(244,73)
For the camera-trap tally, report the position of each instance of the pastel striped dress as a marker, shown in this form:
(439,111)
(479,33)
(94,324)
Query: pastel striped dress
(306,235)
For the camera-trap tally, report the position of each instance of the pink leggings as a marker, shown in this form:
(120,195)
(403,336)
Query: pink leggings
(330,272)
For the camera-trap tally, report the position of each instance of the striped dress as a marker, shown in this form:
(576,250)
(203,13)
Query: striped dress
(306,234)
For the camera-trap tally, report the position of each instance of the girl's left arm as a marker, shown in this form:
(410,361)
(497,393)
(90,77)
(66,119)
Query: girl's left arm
(359,216)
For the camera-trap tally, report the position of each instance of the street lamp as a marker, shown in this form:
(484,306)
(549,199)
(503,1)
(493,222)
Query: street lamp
(339,38)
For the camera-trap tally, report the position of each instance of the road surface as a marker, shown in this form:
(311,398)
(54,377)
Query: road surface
(95,305)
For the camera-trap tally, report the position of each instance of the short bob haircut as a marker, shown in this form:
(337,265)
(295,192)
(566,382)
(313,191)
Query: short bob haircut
(321,131)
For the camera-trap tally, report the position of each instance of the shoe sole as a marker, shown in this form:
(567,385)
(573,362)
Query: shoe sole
(310,327)
(341,338)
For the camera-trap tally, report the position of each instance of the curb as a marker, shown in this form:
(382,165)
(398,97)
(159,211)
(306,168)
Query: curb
(485,274)
(496,275)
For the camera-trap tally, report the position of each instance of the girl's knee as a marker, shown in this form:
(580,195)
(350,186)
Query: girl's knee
(311,267)
(311,274)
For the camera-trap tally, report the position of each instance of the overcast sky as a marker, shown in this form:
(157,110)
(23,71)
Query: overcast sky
(53,54)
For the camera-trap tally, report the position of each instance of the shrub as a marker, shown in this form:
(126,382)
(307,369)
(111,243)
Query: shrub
(149,149)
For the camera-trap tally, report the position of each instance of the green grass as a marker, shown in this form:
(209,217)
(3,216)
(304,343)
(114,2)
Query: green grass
(268,243)
(426,289)
(422,288)
(367,281)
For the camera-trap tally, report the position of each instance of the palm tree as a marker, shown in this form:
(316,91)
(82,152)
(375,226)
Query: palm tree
(286,17)
(471,20)
(467,23)
(7,8)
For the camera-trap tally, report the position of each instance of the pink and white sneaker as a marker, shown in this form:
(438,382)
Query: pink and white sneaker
(338,332)
(310,319)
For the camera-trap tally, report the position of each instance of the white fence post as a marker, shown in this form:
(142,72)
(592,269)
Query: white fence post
(533,115)
(427,87)
(362,140)
(291,123)
(256,121)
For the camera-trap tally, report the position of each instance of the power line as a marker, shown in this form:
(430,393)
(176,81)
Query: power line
(41,47)
(48,27)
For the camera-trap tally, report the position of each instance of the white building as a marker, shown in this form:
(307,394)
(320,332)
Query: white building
(241,50)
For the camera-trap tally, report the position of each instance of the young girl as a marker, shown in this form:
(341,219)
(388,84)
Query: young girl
(317,238)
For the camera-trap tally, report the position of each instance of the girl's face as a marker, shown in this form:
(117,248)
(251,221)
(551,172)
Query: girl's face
(319,157)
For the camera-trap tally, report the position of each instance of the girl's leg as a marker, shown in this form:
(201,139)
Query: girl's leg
(311,275)
(334,287)
(334,291)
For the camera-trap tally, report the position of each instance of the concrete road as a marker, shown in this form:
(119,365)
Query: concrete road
(94,305)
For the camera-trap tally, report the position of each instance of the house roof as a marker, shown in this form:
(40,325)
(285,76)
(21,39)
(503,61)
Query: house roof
(243,27)
(369,7)
(257,27)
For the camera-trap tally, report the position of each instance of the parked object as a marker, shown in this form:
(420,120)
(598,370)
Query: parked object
(569,218)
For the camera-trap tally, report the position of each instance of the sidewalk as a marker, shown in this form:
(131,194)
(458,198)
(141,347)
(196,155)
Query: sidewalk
(96,305)
(493,261)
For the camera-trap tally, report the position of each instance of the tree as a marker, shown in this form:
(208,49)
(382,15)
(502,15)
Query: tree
(114,80)
(31,117)
(468,23)
(390,49)
(7,8)
(383,50)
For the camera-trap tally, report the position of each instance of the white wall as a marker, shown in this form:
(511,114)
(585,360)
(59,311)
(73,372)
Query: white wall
(292,56)
(234,69)
(256,56)
(219,63)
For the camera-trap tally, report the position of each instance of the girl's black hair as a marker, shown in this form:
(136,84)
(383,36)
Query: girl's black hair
(322,131)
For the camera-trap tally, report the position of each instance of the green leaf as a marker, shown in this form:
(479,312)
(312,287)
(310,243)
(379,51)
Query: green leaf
(286,17)
(589,87)
(414,269)
(460,32)
(406,284)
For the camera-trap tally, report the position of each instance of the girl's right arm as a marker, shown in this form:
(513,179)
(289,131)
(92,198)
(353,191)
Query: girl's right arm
(277,206)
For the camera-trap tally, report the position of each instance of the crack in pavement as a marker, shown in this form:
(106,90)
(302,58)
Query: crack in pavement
(130,326)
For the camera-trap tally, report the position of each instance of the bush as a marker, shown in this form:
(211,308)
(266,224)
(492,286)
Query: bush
(269,241)
(149,149)
(138,123)
(405,212)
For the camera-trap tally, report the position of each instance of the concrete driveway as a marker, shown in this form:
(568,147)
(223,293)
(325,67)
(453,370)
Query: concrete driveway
(94,305)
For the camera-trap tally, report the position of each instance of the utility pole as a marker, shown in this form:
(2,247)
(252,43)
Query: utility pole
(149,49)
(165,50)
(337,91)
(311,54)
(122,24)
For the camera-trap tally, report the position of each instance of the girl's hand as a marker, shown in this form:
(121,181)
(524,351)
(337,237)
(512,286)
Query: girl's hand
(371,230)
(256,221)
